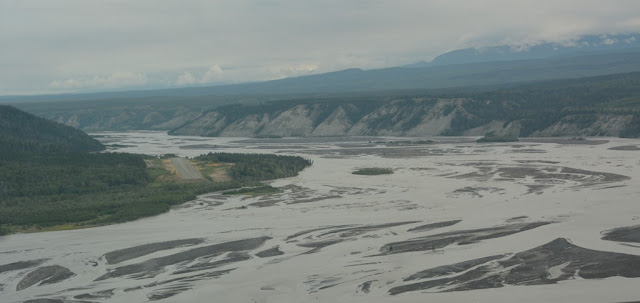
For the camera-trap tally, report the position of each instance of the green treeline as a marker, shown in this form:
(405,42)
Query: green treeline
(45,189)
(49,189)
(258,167)
(373,171)
(492,137)
(118,204)
(38,174)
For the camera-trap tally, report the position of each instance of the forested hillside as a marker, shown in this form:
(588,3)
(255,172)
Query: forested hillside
(48,177)
(24,132)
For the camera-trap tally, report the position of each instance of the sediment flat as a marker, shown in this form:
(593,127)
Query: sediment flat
(456,222)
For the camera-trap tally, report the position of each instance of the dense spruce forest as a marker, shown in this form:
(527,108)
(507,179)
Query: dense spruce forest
(252,167)
(50,179)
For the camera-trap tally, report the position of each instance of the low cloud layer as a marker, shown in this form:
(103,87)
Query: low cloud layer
(115,80)
(78,45)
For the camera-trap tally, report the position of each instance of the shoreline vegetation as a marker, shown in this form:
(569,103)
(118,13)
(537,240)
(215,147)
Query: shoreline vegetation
(373,171)
(405,142)
(492,137)
(46,192)
(54,177)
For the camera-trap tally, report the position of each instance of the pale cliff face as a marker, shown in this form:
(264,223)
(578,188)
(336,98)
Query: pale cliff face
(412,117)
(207,124)
(438,118)
(603,125)
(245,127)
(337,123)
(145,118)
(497,127)
(418,117)
(176,121)
(296,122)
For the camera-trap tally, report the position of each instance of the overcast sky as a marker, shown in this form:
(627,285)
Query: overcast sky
(91,45)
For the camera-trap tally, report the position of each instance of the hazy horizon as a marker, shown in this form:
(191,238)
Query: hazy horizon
(74,46)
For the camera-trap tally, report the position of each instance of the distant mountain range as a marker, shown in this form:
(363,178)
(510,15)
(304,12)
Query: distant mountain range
(590,44)
(489,67)
(495,73)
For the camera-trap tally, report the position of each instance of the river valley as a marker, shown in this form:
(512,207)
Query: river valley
(540,220)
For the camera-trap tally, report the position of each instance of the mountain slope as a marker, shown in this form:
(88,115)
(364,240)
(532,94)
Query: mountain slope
(600,106)
(24,132)
(446,76)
